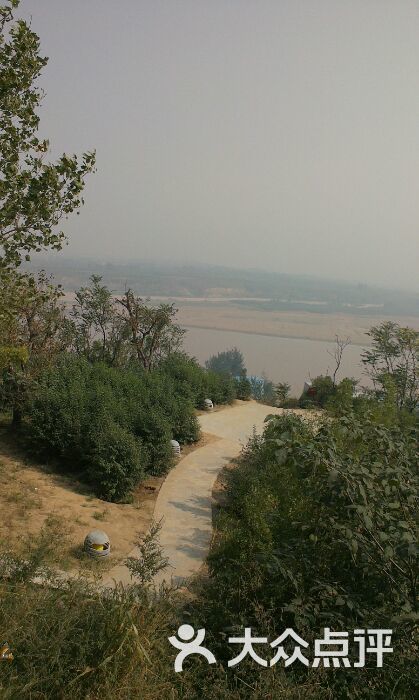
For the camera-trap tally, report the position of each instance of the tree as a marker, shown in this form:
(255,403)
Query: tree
(33,330)
(34,195)
(154,335)
(337,354)
(394,359)
(227,362)
(100,333)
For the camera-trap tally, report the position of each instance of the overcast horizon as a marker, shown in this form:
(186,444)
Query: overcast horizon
(277,135)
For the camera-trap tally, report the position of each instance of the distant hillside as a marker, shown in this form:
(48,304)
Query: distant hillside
(255,289)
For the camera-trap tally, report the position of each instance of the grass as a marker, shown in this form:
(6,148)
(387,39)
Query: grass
(101,514)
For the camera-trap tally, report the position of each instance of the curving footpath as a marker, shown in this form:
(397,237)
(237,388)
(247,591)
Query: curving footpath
(184,501)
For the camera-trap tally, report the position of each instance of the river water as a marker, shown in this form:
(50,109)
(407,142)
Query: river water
(290,360)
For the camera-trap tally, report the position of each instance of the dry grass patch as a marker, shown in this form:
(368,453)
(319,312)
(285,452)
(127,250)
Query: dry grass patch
(33,497)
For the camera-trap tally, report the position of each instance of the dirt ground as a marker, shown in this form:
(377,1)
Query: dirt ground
(33,496)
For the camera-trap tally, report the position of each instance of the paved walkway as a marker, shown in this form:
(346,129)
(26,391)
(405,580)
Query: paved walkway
(184,500)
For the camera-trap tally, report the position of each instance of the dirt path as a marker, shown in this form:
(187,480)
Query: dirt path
(184,501)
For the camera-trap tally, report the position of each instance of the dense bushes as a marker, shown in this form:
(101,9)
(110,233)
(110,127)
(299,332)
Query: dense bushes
(113,426)
(197,384)
(108,425)
(320,530)
(115,460)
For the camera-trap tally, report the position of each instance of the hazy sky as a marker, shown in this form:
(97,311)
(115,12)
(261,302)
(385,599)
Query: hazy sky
(280,134)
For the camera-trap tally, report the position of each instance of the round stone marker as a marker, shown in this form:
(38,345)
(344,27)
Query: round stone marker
(96,544)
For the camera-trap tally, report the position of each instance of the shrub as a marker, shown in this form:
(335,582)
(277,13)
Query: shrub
(188,376)
(196,383)
(322,390)
(116,460)
(290,402)
(243,388)
(154,430)
(320,530)
(341,402)
(81,410)
(59,412)
(218,387)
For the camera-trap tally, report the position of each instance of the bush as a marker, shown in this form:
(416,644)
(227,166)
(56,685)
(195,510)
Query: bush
(320,530)
(243,388)
(116,460)
(154,430)
(81,410)
(196,383)
(59,412)
(291,402)
(320,393)
(220,388)
(341,402)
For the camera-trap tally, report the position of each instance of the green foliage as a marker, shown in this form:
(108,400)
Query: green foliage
(243,388)
(219,387)
(321,392)
(122,331)
(110,426)
(320,530)
(324,389)
(291,402)
(34,195)
(282,392)
(13,356)
(143,568)
(71,640)
(342,399)
(227,362)
(152,330)
(197,384)
(393,361)
(115,459)
(33,322)
(99,333)
(155,430)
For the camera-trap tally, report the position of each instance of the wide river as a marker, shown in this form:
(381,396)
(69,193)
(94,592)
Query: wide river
(290,360)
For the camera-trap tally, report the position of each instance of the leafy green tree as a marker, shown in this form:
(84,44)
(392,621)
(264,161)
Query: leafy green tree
(153,332)
(227,362)
(34,328)
(100,332)
(34,194)
(394,357)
